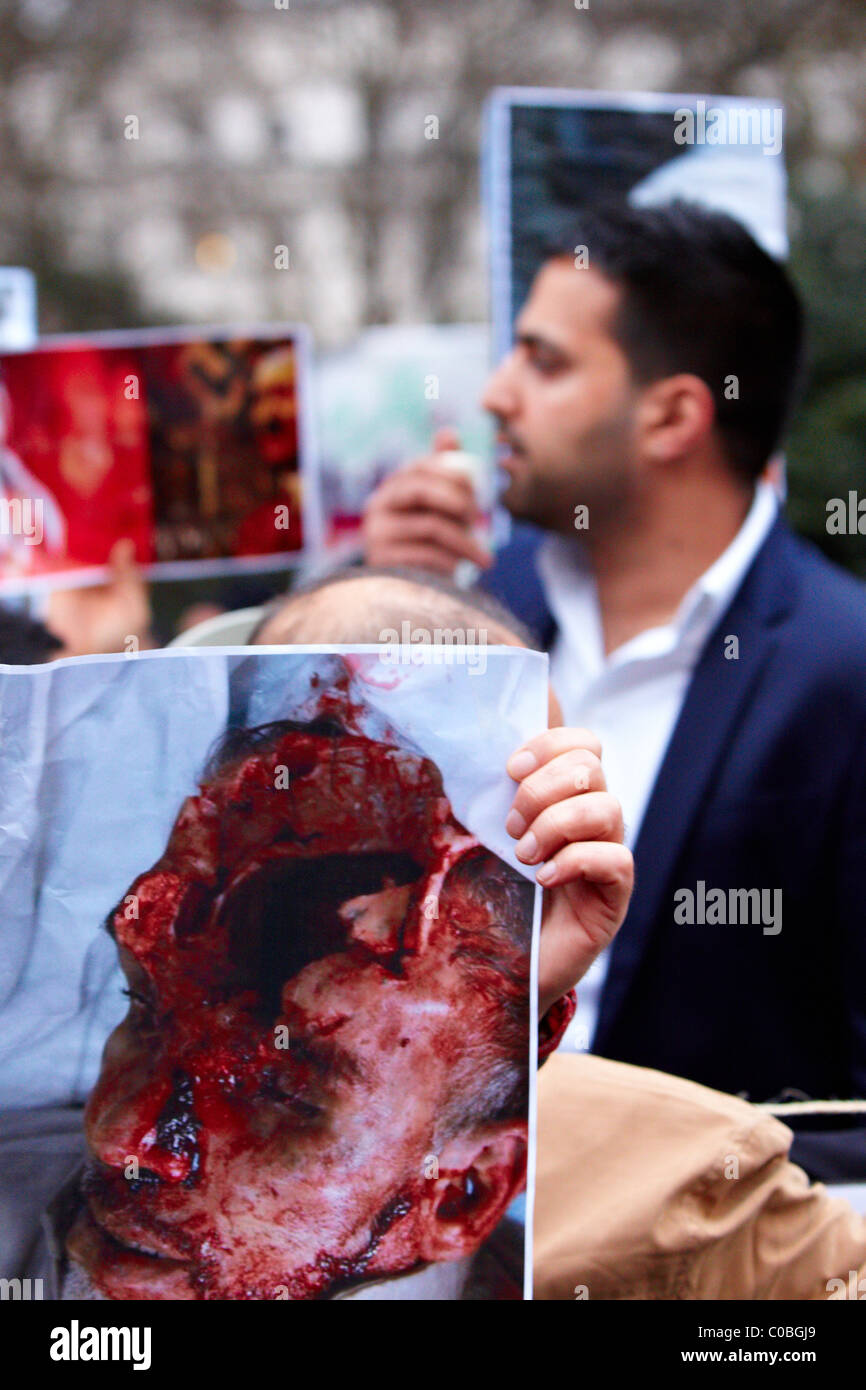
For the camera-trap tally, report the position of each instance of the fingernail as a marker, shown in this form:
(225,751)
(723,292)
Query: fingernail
(546,873)
(527,848)
(515,824)
(520,764)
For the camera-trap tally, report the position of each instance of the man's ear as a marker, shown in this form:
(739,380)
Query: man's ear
(478,1175)
(677,415)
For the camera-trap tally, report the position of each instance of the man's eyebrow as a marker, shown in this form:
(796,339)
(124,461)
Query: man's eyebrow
(326,1057)
(526,338)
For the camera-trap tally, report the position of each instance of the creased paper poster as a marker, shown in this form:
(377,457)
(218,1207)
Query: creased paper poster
(193,444)
(320,1079)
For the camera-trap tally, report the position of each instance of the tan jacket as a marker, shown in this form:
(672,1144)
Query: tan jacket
(651,1187)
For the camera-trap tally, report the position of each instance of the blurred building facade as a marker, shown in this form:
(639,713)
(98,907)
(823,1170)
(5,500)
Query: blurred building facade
(176,147)
(265,160)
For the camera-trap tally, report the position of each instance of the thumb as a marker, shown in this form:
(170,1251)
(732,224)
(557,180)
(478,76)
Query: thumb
(122,561)
(445,438)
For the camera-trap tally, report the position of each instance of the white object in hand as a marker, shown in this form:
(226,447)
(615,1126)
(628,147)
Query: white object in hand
(480,475)
(473,467)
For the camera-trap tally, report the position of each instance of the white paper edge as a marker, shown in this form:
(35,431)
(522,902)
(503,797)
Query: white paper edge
(347,648)
(533,1097)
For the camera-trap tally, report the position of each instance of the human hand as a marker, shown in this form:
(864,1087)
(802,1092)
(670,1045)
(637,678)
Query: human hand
(422,516)
(104,617)
(568,824)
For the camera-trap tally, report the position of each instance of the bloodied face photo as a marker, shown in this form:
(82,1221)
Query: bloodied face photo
(320,1086)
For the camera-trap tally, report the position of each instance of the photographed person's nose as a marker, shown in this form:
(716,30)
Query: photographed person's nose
(146,1130)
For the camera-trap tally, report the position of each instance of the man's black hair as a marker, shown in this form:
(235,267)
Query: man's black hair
(23,641)
(699,295)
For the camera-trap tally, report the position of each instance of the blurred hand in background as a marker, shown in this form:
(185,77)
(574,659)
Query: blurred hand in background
(112,617)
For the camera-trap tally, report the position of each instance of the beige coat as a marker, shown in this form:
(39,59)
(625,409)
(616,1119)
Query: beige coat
(651,1187)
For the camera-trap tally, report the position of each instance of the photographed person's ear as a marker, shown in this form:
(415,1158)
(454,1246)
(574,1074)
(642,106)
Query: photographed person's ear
(554,1025)
(478,1176)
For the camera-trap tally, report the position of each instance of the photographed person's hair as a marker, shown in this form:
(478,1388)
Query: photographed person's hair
(486,1089)
(699,295)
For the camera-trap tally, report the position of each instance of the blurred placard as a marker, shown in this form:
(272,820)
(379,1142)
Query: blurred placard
(548,153)
(18,326)
(381,399)
(191,443)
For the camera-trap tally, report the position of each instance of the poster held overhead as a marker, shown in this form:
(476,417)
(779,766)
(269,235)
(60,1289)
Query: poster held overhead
(548,153)
(193,444)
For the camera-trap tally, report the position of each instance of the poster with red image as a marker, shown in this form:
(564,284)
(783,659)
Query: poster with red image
(303,1010)
(190,443)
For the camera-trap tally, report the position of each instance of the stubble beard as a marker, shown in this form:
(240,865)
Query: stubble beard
(605,488)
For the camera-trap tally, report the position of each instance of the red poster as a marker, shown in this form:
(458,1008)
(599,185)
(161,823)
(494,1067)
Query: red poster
(191,447)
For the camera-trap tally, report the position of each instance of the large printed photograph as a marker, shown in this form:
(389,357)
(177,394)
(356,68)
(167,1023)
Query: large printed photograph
(320,1087)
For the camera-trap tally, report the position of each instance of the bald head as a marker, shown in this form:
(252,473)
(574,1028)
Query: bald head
(359,606)
(362,606)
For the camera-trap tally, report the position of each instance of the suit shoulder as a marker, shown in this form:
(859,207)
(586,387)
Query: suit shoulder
(827,584)
(824,634)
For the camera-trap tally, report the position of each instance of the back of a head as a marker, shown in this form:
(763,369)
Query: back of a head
(361,604)
(700,296)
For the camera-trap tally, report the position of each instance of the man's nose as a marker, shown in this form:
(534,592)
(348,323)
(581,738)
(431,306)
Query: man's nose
(150,1128)
(499,395)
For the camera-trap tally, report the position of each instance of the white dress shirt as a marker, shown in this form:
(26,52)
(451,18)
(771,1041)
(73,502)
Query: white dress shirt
(632,698)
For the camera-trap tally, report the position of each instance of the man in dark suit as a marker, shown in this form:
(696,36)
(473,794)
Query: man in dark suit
(721,659)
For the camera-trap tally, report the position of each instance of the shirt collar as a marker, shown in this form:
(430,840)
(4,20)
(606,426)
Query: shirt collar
(567,575)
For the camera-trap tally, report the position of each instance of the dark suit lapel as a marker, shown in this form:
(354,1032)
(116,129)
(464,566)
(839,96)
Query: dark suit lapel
(719,691)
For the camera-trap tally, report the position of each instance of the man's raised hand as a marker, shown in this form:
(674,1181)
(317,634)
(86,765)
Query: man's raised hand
(422,516)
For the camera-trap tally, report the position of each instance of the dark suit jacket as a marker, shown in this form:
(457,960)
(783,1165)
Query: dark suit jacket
(763,785)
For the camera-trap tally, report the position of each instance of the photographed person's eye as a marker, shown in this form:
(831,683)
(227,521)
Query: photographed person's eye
(294,1089)
(141,1001)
